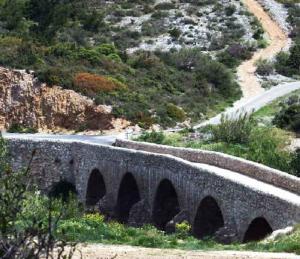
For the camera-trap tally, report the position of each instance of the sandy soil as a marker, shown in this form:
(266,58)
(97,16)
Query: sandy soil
(98,251)
(278,40)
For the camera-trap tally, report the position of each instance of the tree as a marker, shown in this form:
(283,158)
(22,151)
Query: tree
(12,14)
(28,220)
(294,60)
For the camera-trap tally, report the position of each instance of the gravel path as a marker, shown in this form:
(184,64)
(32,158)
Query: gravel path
(98,251)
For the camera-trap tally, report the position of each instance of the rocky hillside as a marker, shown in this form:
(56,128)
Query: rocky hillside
(27,103)
(166,24)
(154,62)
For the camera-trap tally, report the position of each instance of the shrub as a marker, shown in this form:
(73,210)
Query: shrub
(175,112)
(289,64)
(152,137)
(183,229)
(235,131)
(92,84)
(264,67)
(175,33)
(296,163)
(28,220)
(234,54)
(294,59)
(230,10)
(107,49)
(289,117)
(267,146)
(17,128)
(281,64)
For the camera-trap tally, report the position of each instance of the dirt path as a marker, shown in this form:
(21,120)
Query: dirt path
(278,40)
(98,251)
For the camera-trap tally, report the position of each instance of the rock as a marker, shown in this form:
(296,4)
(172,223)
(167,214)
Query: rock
(106,208)
(26,101)
(140,214)
(179,218)
(279,233)
(225,235)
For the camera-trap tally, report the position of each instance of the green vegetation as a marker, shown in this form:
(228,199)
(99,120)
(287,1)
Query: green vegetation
(274,107)
(76,45)
(16,128)
(92,228)
(288,63)
(28,219)
(242,137)
(289,117)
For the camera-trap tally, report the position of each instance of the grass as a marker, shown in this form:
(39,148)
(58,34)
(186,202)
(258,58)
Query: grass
(274,107)
(92,228)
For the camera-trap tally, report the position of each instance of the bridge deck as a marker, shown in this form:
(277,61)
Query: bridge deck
(252,183)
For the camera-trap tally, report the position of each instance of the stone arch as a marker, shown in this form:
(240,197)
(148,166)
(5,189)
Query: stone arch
(128,195)
(166,204)
(258,229)
(208,219)
(96,188)
(62,189)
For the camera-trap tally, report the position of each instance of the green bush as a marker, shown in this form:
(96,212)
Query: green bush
(289,117)
(267,146)
(289,64)
(152,137)
(175,112)
(17,128)
(233,131)
(175,33)
(264,67)
(183,229)
(28,219)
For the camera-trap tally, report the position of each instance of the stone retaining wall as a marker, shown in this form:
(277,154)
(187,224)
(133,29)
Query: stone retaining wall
(245,167)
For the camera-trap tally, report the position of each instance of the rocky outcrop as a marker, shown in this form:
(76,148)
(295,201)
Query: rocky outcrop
(27,102)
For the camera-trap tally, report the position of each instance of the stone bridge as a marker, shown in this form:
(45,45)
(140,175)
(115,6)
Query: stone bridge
(138,187)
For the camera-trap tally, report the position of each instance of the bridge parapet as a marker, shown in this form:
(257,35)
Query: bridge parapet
(254,170)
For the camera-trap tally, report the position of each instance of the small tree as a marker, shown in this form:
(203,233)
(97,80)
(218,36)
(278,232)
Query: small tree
(28,220)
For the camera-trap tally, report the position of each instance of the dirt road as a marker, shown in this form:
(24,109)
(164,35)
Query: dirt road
(277,41)
(99,251)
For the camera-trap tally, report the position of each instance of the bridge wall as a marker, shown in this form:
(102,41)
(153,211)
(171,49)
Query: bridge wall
(239,201)
(236,164)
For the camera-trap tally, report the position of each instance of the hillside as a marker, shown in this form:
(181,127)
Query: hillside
(101,50)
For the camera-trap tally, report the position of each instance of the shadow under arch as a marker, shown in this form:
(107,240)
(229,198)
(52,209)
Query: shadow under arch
(128,195)
(96,188)
(63,189)
(166,205)
(258,229)
(208,218)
